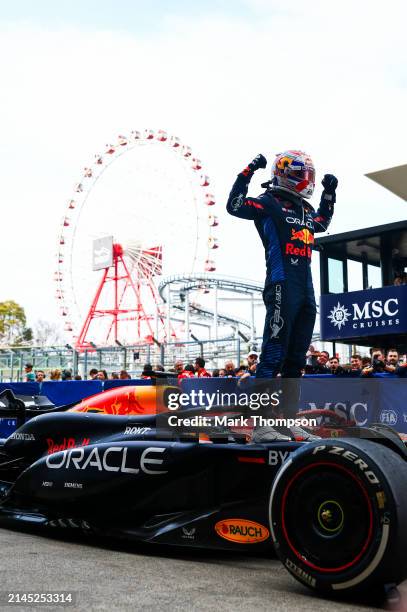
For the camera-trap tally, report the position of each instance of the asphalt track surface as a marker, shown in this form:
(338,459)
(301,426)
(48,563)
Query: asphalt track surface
(107,575)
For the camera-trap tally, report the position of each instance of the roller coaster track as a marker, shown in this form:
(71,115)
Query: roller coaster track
(193,282)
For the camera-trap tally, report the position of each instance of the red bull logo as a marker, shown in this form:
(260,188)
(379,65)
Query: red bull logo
(67,443)
(304,236)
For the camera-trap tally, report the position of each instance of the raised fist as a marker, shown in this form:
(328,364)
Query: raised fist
(259,162)
(330,183)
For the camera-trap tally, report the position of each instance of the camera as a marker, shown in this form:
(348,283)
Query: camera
(378,365)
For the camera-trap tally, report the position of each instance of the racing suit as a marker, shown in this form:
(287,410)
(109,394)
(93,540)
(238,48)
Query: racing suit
(286,224)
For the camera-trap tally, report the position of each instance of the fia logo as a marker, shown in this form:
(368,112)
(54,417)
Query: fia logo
(388,417)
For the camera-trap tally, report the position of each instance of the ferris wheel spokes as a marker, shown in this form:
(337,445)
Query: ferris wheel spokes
(163,165)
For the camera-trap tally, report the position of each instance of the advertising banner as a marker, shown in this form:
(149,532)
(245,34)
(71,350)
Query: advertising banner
(364,313)
(355,399)
(361,401)
(392,406)
(67,392)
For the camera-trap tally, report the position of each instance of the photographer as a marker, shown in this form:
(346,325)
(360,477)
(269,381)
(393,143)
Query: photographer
(378,364)
(319,363)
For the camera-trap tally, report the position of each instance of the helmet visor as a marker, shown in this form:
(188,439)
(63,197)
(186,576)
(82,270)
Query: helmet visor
(305,174)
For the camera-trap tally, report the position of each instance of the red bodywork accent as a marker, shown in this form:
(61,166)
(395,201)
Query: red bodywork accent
(125,400)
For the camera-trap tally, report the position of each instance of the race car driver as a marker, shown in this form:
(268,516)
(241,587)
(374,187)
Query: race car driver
(286,223)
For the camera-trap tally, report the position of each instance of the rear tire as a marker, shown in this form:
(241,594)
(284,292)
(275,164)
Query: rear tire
(338,516)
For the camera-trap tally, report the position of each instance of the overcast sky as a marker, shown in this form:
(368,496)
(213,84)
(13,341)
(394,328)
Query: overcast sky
(230,78)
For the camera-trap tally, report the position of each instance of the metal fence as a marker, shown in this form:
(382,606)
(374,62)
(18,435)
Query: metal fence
(114,359)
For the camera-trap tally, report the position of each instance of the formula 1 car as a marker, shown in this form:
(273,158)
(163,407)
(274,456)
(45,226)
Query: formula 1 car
(334,511)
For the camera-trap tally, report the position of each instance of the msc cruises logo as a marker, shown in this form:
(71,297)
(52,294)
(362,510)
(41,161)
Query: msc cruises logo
(339,315)
(377,313)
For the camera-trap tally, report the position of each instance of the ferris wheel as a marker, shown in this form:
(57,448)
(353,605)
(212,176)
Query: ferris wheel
(149,194)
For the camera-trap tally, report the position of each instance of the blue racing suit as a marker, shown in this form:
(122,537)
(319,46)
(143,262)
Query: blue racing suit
(286,224)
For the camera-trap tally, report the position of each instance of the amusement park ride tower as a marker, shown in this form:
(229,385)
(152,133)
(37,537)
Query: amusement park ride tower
(121,293)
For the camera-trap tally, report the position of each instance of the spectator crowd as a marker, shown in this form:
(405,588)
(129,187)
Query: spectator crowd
(39,376)
(318,362)
(379,361)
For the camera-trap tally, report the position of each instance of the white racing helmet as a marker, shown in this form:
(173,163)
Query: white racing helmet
(294,171)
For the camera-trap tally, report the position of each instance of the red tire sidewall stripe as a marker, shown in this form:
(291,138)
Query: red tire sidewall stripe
(369,505)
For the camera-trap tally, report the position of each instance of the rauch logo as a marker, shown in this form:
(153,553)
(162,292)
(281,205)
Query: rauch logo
(241,531)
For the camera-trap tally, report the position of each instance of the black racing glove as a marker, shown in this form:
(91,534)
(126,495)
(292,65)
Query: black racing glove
(259,162)
(330,183)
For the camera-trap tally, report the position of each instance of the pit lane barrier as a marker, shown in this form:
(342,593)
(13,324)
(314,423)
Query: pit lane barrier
(380,398)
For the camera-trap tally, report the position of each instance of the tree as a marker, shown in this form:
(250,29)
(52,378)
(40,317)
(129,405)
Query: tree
(47,334)
(13,329)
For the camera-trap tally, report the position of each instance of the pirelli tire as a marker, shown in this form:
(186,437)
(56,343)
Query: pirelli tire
(338,516)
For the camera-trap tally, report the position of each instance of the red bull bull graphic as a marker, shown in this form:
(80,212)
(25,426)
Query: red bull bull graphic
(304,236)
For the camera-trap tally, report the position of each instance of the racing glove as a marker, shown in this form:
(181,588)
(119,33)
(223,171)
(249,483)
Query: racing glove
(258,162)
(329,183)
